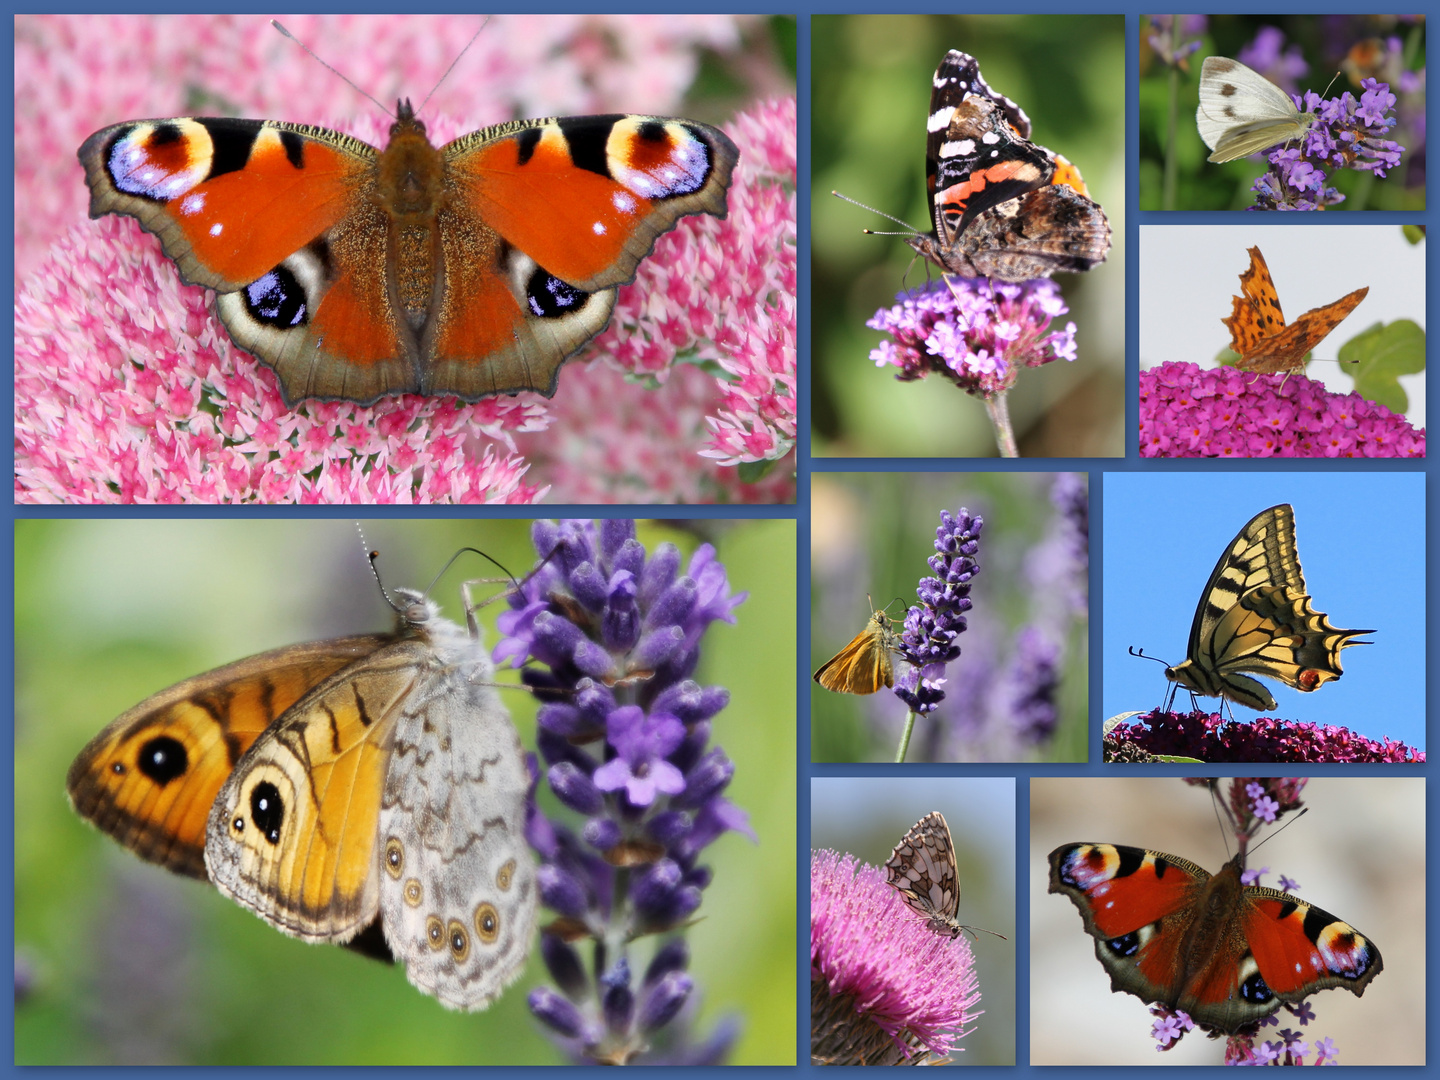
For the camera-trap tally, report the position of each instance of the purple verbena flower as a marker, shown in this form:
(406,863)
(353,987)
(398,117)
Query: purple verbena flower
(1189,411)
(973,331)
(625,733)
(883,988)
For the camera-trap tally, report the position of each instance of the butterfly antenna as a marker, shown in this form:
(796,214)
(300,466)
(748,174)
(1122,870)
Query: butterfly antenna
(1141,654)
(1270,836)
(476,551)
(340,75)
(891,217)
(374,557)
(451,68)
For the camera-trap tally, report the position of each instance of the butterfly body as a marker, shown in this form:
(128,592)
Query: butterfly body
(371,778)
(471,269)
(922,869)
(864,665)
(1241,112)
(1258,332)
(1256,616)
(1226,953)
(1001,206)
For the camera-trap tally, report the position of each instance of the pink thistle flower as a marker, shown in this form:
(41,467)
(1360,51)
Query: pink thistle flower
(1188,411)
(188,417)
(882,987)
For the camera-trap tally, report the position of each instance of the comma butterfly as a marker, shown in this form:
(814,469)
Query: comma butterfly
(1257,327)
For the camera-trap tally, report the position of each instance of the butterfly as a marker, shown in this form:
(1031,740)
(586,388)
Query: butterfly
(1001,206)
(1255,616)
(864,665)
(341,790)
(922,870)
(1241,112)
(1258,333)
(471,269)
(1226,953)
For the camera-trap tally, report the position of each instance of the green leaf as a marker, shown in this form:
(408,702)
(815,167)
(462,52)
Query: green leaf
(1378,357)
(752,472)
(1413,233)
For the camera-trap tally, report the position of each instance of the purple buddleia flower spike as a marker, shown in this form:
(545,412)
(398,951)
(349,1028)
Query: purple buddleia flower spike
(625,737)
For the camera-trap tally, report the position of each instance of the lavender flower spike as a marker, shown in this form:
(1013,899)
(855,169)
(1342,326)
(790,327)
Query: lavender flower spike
(625,737)
(933,625)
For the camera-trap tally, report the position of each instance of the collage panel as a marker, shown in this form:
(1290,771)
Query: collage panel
(1131,862)
(1217,91)
(409,272)
(390,787)
(1014,210)
(1267,573)
(953,609)
(1223,374)
(912,920)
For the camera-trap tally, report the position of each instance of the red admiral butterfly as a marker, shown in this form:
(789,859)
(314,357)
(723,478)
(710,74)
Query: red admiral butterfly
(1001,206)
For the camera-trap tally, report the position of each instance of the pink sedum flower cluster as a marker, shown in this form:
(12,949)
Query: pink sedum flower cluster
(1189,411)
(1211,738)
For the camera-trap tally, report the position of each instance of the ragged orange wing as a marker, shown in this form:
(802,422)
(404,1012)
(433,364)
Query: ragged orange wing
(1258,333)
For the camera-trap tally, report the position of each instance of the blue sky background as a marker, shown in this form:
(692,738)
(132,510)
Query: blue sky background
(1361,538)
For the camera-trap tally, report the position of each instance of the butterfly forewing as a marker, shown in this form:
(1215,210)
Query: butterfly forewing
(1256,616)
(922,868)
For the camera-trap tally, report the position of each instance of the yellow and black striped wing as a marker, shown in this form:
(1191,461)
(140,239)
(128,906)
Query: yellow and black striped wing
(1256,616)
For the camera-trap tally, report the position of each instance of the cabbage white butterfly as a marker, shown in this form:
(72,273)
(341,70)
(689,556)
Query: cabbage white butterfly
(1242,112)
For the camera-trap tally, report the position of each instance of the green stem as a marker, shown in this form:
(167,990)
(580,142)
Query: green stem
(999,412)
(905,738)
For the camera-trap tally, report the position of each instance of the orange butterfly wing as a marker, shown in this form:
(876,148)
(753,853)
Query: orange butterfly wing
(150,777)
(1258,333)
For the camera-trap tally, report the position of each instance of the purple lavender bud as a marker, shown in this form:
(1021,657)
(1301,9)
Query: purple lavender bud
(602,834)
(588,585)
(574,788)
(664,1000)
(629,559)
(592,659)
(616,534)
(556,639)
(658,647)
(709,777)
(620,626)
(670,827)
(674,955)
(563,963)
(674,606)
(556,1013)
(564,719)
(617,999)
(560,890)
(659,573)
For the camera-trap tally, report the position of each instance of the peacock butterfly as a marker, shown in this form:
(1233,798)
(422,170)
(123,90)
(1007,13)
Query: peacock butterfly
(470,269)
(1226,953)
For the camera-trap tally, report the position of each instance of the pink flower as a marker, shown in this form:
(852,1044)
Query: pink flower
(128,389)
(1187,411)
(873,964)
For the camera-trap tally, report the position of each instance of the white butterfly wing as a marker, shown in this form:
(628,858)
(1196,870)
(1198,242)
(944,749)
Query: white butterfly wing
(1241,112)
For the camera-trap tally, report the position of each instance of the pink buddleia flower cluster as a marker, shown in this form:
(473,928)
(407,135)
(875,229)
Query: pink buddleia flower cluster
(82,72)
(879,979)
(1189,411)
(1211,738)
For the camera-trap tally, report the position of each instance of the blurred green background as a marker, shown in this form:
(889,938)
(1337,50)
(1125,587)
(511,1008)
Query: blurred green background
(872,533)
(128,963)
(1325,42)
(872,80)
